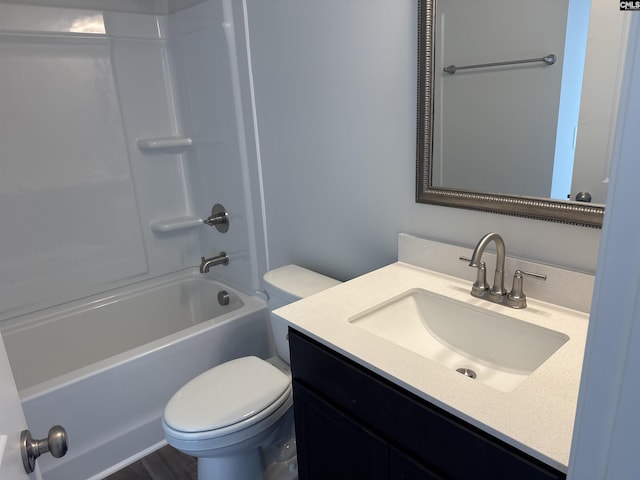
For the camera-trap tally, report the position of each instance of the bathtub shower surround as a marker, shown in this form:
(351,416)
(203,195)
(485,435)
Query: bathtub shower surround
(118,359)
(112,125)
(119,131)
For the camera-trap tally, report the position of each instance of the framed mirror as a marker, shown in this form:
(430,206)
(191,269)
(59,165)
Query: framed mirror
(501,81)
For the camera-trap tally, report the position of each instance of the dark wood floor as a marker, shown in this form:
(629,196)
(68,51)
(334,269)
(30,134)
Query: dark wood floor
(169,464)
(164,464)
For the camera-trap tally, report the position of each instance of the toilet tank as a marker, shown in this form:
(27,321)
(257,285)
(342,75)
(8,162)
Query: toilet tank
(285,285)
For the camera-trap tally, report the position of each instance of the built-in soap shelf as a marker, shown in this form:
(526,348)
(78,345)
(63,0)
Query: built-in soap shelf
(219,219)
(160,144)
(183,222)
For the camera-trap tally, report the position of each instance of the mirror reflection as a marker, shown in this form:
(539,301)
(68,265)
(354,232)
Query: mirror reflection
(498,114)
(536,130)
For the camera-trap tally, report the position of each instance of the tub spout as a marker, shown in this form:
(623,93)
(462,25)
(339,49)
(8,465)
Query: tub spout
(206,263)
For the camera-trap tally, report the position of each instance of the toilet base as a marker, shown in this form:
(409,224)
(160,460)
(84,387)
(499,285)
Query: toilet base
(245,465)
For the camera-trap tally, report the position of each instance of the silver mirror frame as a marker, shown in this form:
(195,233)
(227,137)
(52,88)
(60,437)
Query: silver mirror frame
(575,213)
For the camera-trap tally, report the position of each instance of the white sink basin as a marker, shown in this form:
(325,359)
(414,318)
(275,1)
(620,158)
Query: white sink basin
(501,351)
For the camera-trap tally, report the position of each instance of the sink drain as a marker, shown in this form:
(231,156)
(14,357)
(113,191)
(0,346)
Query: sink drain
(467,372)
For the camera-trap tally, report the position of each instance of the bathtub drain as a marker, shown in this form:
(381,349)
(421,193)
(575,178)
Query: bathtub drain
(467,372)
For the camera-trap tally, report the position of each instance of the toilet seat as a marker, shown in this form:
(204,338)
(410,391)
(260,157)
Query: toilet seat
(228,398)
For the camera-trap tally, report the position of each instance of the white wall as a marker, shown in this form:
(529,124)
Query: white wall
(335,92)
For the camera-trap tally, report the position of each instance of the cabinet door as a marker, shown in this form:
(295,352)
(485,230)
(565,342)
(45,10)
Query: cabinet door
(403,467)
(331,445)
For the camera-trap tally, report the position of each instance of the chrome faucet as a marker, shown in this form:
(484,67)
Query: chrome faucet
(497,293)
(206,263)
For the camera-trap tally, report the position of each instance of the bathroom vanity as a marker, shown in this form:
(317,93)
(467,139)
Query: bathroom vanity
(378,392)
(352,423)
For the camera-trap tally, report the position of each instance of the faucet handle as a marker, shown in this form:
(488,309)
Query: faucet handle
(516,297)
(541,276)
(480,286)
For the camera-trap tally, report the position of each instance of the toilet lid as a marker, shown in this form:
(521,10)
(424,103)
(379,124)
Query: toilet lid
(226,394)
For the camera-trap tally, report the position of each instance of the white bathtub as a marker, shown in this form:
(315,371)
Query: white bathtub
(105,367)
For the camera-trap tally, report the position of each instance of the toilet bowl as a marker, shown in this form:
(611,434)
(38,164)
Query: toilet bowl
(227,414)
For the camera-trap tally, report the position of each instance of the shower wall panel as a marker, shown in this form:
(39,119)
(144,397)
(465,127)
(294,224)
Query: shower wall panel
(77,196)
(68,209)
(208,50)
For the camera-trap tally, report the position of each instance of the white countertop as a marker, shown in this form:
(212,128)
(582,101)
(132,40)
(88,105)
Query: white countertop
(536,417)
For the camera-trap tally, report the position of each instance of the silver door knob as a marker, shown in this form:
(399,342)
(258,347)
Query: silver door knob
(583,197)
(56,443)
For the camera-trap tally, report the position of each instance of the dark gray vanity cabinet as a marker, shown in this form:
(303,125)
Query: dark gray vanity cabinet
(352,424)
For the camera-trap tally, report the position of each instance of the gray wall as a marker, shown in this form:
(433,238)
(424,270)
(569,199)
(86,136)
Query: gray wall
(335,92)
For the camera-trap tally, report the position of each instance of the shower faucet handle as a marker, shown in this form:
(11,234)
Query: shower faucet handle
(219,218)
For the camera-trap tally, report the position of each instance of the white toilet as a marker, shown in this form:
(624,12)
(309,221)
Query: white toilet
(225,415)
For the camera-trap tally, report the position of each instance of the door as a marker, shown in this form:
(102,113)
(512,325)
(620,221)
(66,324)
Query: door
(605,440)
(601,91)
(12,422)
